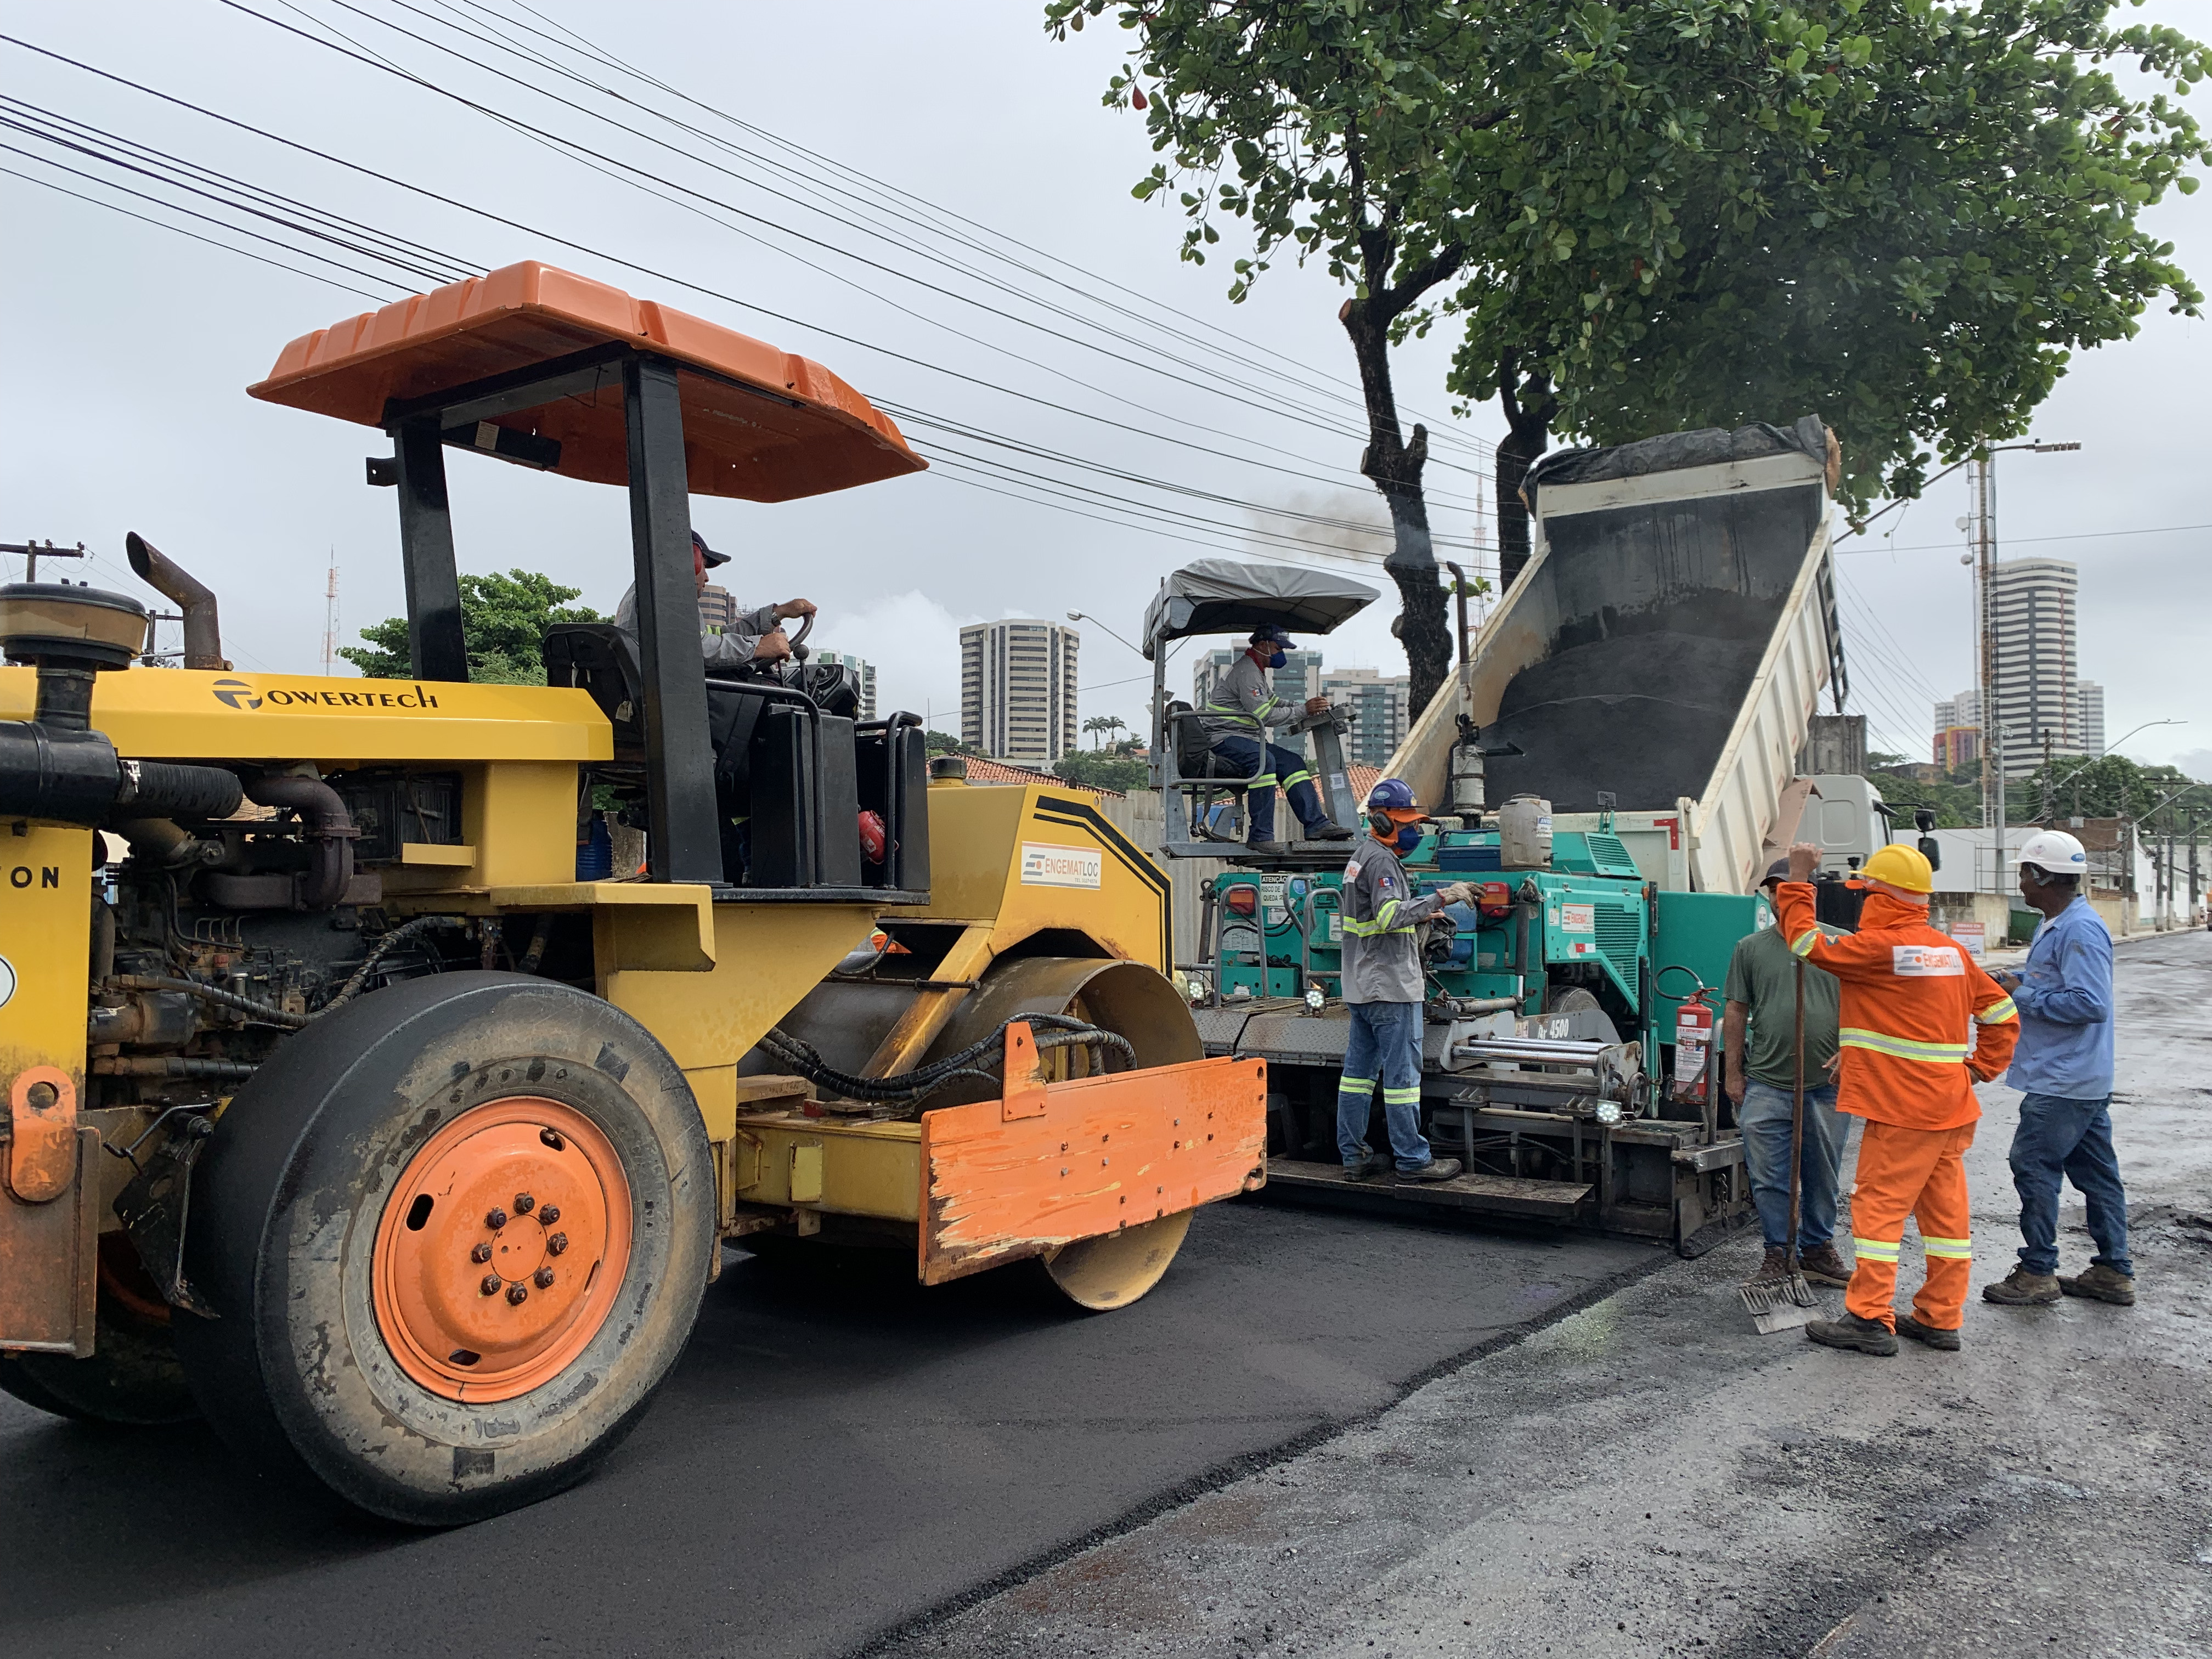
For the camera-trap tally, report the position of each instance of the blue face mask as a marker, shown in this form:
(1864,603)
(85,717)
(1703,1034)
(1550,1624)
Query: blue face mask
(1276,660)
(1407,838)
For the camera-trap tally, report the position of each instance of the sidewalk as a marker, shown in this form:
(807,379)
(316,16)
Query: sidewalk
(1648,1477)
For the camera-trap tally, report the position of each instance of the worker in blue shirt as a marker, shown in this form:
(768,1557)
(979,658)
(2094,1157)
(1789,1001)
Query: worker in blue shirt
(2064,1067)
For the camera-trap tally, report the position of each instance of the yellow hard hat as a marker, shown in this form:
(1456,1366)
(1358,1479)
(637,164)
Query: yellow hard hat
(1901,866)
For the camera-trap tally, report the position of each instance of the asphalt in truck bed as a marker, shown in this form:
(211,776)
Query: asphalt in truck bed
(839,1453)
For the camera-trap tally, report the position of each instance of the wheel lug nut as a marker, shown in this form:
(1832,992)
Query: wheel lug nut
(496,1219)
(491,1284)
(524,1204)
(482,1253)
(552,1138)
(544,1279)
(549,1214)
(518,1294)
(557,1243)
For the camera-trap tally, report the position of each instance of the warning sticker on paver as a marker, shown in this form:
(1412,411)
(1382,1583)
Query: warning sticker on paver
(1578,918)
(1046,866)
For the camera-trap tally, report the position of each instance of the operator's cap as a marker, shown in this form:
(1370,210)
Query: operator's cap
(1778,870)
(706,553)
(1270,634)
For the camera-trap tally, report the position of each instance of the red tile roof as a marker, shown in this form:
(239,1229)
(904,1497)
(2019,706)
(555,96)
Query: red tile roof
(990,771)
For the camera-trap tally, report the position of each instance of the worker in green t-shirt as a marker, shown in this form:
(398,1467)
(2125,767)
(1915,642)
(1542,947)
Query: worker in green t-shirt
(1759,1041)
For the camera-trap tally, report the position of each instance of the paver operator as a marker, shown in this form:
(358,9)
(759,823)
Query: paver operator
(2063,1067)
(758,637)
(1237,715)
(1908,996)
(1383,987)
(1759,1036)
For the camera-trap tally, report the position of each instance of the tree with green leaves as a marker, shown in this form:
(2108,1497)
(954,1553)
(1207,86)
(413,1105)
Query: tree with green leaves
(503,619)
(1098,770)
(935,742)
(1335,129)
(1901,216)
(1102,727)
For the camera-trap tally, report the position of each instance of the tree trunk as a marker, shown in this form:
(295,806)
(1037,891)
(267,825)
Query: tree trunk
(1396,466)
(1529,423)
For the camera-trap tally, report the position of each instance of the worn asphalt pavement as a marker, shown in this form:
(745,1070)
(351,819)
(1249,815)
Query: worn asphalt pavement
(1646,1476)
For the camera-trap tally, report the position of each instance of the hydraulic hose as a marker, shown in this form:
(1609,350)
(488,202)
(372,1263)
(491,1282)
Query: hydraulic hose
(1067,1032)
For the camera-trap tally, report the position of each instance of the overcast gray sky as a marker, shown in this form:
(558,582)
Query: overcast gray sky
(130,346)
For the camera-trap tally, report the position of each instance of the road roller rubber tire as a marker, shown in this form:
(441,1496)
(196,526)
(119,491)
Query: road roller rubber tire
(132,1379)
(365,1187)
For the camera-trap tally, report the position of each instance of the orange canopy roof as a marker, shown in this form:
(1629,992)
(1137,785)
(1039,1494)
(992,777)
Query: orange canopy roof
(810,434)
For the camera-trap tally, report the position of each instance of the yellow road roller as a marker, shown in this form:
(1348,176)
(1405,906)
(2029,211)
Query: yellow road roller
(353,1101)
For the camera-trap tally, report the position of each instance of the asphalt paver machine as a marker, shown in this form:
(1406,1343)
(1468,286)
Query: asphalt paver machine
(1610,769)
(345,1106)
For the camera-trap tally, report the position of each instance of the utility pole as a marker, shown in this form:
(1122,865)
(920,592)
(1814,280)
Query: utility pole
(34,551)
(1986,559)
(331,616)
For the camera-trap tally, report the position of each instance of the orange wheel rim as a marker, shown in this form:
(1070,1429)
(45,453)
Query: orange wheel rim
(502,1249)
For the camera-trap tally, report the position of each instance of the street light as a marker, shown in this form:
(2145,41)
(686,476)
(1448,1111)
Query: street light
(1077,616)
(2114,747)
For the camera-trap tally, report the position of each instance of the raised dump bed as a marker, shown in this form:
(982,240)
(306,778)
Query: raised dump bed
(1665,644)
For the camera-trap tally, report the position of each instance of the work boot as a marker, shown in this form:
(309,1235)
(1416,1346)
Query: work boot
(1941,1340)
(1860,1335)
(1372,1166)
(2100,1284)
(1272,848)
(1824,1266)
(1776,1265)
(1437,1169)
(1327,832)
(2022,1289)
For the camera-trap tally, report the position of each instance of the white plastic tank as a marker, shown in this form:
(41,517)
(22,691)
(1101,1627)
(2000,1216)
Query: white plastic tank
(1524,833)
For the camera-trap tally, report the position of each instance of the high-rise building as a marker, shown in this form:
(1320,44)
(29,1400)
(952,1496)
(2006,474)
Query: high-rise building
(1297,679)
(1377,704)
(1957,747)
(865,671)
(717,608)
(1018,686)
(2089,716)
(1965,709)
(2032,605)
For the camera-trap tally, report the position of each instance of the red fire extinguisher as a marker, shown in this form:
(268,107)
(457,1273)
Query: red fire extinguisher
(1694,1070)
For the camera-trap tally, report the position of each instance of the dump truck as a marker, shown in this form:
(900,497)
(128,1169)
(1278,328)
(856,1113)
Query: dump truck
(1611,768)
(352,1103)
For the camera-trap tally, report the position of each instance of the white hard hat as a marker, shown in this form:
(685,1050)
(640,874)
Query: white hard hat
(2055,850)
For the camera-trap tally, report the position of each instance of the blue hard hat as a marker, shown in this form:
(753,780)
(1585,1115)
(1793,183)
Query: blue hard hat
(1392,795)
(1268,634)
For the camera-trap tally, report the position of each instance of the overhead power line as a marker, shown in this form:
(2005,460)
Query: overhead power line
(713,208)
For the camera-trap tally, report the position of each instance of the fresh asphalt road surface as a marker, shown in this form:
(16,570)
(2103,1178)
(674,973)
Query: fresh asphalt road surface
(838,1452)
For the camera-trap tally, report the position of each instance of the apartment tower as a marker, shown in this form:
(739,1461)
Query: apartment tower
(1018,690)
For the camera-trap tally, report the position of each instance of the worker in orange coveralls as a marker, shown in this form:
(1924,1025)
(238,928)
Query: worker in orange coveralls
(1910,994)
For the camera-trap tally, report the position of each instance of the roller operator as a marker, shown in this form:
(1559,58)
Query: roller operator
(1237,715)
(757,637)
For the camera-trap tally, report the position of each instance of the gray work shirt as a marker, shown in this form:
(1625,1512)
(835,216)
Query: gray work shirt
(1382,919)
(1244,702)
(717,648)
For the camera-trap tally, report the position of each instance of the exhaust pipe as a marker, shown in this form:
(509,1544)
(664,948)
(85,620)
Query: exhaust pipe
(194,600)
